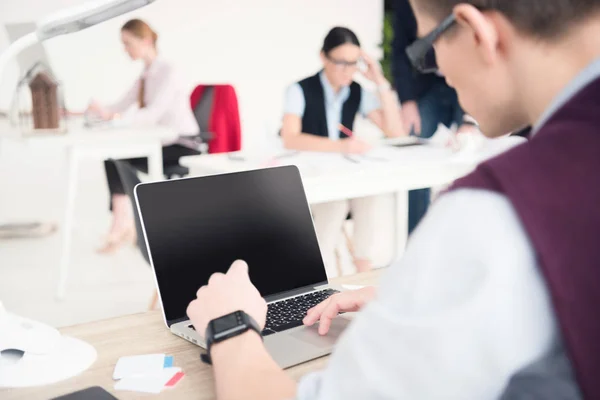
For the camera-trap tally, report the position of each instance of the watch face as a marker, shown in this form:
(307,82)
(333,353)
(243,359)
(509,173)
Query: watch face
(226,323)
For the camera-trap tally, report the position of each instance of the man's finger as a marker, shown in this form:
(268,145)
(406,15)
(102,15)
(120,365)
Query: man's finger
(314,313)
(238,267)
(191,307)
(215,278)
(328,314)
(200,290)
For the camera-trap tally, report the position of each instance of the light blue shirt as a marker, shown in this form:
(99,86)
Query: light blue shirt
(295,104)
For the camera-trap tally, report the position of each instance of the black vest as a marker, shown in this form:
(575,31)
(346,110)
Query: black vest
(314,120)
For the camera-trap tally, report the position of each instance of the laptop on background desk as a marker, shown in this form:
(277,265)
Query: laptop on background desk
(195,227)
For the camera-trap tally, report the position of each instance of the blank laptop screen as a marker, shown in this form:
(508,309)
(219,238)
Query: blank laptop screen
(196,227)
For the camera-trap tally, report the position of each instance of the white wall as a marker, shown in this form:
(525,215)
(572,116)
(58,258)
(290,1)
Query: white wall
(260,46)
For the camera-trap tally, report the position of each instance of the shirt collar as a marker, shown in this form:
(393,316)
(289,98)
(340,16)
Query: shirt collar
(330,95)
(585,77)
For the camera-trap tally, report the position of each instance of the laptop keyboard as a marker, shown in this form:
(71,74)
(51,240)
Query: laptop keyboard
(288,314)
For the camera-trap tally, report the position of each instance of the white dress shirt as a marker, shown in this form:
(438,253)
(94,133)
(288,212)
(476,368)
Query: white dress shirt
(167,101)
(466,309)
(461,313)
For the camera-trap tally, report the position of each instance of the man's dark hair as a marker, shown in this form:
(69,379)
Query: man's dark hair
(542,18)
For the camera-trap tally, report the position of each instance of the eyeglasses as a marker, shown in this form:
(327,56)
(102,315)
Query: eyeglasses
(343,63)
(421,52)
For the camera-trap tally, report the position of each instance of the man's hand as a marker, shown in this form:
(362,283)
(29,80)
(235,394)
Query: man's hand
(227,293)
(349,301)
(354,146)
(411,117)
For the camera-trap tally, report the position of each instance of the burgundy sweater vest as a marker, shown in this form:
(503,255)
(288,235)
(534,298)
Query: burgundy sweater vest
(553,183)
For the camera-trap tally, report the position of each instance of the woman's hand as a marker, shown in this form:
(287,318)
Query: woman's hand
(96,109)
(349,301)
(374,72)
(354,146)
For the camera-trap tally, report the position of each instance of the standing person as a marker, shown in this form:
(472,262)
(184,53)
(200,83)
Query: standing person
(498,292)
(315,108)
(427,100)
(160,99)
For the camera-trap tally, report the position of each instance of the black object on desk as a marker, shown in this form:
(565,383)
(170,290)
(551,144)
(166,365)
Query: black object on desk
(91,393)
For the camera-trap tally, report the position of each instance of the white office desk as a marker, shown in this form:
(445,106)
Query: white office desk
(332,177)
(81,143)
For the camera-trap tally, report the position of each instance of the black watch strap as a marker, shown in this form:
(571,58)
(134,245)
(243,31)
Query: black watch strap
(243,321)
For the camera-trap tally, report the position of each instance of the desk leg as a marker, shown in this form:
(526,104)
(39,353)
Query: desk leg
(155,164)
(67,230)
(401,223)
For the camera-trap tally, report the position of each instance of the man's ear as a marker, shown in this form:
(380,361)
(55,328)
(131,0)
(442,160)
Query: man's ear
(482,28)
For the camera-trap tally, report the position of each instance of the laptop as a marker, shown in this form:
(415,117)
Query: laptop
(195,227)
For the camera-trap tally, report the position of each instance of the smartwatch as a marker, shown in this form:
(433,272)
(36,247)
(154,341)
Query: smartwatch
(226,327)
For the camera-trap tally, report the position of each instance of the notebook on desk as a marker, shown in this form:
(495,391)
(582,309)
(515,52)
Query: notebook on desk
(195,227)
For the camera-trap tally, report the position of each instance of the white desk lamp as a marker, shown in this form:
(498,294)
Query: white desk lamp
(71,20)
(42,348)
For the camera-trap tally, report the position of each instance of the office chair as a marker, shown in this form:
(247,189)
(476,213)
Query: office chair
(130,179)
(217,113)
(172,171)
(201,102)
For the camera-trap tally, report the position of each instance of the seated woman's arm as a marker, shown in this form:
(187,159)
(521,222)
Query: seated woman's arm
(126,101)
(294,139)
(384,113)
(388,117)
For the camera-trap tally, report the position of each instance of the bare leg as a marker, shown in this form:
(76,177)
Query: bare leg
(363,265)
(122,228)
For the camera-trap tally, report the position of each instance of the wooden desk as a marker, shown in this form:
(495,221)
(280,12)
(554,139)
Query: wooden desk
(145,334)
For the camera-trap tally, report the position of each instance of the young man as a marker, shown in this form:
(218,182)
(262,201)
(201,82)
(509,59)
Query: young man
(501,279)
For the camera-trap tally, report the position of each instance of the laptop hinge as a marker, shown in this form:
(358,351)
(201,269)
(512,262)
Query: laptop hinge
(294,292)
(176,321)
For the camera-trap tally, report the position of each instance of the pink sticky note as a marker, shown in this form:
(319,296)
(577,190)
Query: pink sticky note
(175,379)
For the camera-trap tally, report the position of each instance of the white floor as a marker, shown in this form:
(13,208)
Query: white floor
(32,183)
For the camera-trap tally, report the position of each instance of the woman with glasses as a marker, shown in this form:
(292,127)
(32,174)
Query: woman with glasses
(319,116)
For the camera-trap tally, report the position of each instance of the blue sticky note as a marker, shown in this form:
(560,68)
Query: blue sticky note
(168,362)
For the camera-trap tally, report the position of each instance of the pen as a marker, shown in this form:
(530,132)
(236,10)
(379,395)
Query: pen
(349,133)
(347,157)
(346,131)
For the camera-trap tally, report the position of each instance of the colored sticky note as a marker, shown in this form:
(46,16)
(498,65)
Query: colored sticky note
(175,379)
(168,362)
(149,383)
(138,365)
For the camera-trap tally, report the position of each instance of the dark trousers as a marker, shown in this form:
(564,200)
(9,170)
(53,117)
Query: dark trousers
(170,154)
(438,106)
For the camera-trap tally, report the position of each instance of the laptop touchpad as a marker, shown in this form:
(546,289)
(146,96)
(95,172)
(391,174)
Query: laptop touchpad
(311,334)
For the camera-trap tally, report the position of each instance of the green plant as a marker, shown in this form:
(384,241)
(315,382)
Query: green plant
(386,45)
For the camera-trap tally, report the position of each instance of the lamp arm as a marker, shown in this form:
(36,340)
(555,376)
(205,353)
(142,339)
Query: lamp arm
(15,48)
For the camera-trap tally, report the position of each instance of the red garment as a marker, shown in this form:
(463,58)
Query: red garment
(224,121)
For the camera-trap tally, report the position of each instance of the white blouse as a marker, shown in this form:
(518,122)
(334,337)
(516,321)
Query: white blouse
(166,99)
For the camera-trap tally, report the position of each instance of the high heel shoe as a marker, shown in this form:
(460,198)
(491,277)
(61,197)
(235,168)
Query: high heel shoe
(115,240)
